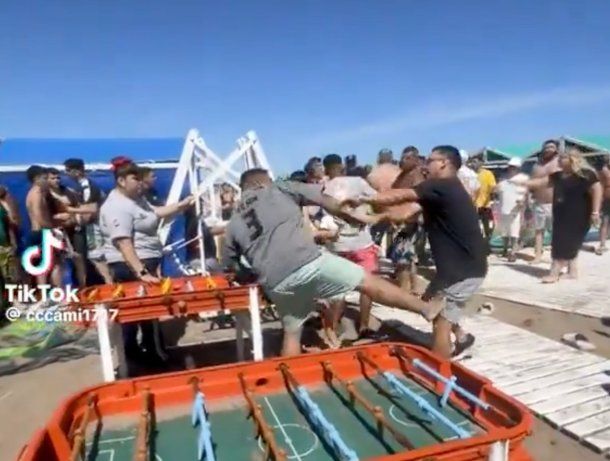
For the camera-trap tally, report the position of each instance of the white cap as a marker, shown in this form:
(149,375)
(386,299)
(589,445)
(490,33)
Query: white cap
(464,155)
(515,161)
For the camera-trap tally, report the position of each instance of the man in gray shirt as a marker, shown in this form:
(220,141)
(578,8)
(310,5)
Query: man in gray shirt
(267,228)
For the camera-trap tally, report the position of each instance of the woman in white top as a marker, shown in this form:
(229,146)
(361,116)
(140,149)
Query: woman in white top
(132,247)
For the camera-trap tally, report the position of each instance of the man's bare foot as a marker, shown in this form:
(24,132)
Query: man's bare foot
(600,250)
(435,307)
(572,276)
(330,339)
(536,260)
(551,278)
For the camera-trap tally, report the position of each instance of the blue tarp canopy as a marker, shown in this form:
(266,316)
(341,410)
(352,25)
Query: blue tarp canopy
(26,152)
(29,151)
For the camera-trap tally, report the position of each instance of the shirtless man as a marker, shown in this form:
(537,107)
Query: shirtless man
(543,198)
(604,176)
(60,200)
(381,178)
(267,229)
(403,250)
(40,216)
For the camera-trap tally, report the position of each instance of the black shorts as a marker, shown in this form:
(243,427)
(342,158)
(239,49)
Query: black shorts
(121,272)
(79,242)
(606,208)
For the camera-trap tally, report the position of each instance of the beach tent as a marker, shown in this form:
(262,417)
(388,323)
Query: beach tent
(591,146)
(493,159)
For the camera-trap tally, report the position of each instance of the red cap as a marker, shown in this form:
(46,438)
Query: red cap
(119,161)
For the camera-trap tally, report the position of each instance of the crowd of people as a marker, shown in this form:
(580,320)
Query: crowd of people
(317,236)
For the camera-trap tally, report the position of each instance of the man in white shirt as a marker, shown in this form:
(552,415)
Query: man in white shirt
(468,176)
(511,203)
(354,243)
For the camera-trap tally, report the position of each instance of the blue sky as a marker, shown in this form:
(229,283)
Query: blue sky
(311,77)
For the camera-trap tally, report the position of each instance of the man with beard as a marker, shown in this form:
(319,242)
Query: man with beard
(542,198)
(457,244)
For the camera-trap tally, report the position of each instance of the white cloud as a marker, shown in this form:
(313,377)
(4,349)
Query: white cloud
(447,113)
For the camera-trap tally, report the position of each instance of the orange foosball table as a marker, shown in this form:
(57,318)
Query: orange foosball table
(110,306)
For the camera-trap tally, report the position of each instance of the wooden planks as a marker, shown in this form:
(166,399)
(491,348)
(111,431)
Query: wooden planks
(594,431)
(586,296)
(600,441)
(567,400)
(579,411)
(557,378)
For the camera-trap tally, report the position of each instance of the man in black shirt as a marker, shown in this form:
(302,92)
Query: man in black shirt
(458,247)
(87,238)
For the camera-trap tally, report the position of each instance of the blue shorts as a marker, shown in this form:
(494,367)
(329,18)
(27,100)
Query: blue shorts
(402,252)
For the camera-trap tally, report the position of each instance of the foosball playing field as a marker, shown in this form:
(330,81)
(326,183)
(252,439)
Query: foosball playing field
(374,402)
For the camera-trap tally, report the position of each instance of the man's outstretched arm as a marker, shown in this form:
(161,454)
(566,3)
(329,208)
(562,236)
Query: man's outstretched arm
(406,213)
(341,210)
(392,197)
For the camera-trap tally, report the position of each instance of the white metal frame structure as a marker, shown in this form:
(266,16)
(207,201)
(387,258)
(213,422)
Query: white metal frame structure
(201,169)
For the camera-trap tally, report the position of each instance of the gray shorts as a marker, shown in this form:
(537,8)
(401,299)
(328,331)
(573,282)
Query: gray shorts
(543,216)
(456,296)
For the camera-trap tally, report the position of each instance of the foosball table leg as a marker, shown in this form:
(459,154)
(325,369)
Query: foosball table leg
(239,336)
(119,345)
(104,342)
(255,321)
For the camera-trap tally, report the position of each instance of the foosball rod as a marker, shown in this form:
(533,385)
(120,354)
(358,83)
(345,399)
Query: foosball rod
(141,452)
(78,448)
(328,431)
(450,383)
(375,411)
(262,428)
(421,402)
(204,443)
